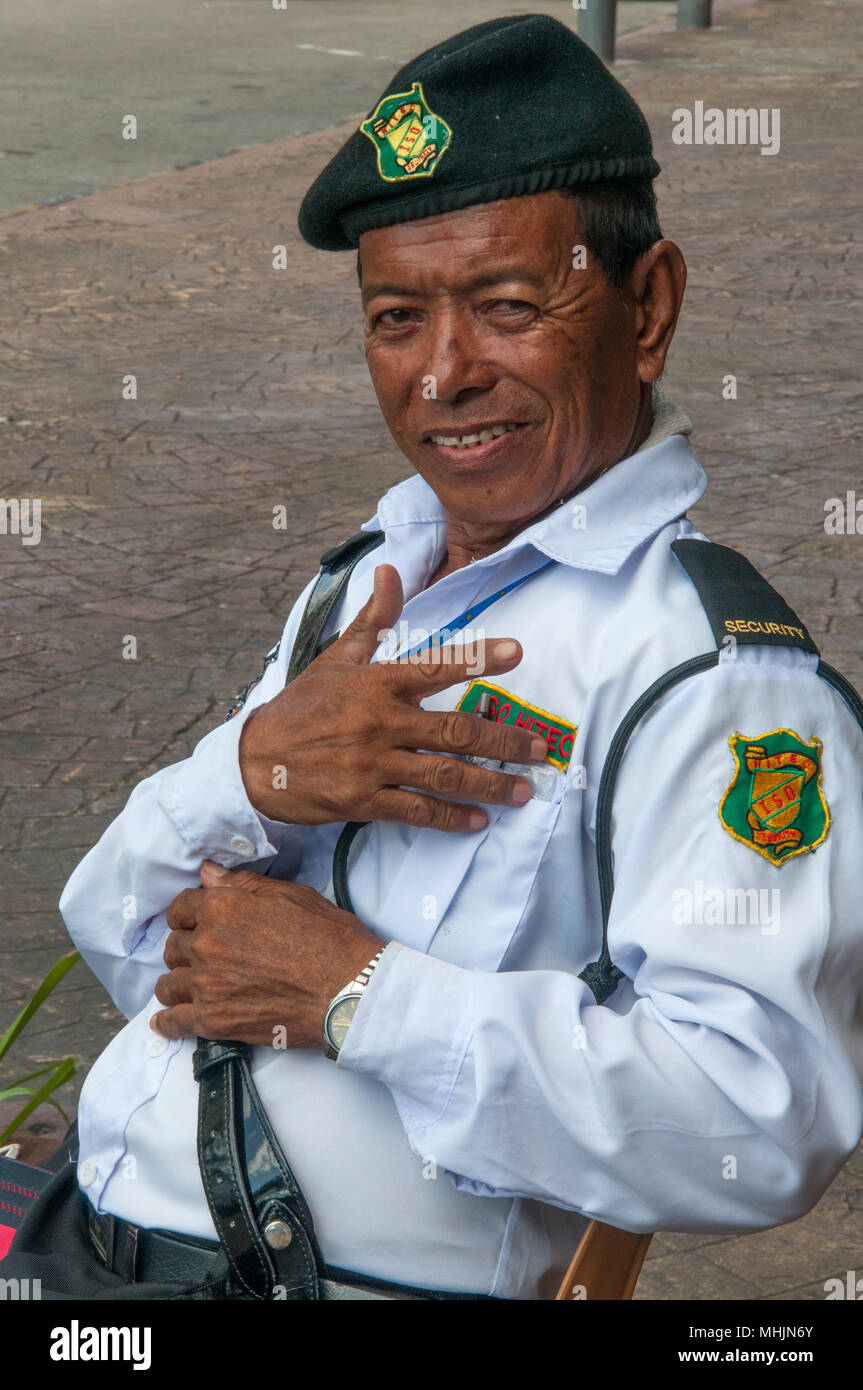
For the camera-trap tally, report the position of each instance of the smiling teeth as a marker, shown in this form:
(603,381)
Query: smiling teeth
(469,441)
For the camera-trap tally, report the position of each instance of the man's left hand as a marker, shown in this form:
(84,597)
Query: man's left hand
(256,960)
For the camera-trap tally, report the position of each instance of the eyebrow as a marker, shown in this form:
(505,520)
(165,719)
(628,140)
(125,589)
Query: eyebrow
(479,282)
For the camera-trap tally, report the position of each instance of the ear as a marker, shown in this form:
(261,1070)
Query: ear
(657,284)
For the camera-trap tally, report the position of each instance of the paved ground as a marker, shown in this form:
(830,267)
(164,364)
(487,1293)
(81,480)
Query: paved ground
(252,392)
(201,78)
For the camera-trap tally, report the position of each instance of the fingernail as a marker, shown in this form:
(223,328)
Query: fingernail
(522,792)
(217,870)
(538,749)
(505,649)
(476,820)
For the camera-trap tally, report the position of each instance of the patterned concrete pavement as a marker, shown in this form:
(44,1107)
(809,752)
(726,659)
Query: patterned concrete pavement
(252,392)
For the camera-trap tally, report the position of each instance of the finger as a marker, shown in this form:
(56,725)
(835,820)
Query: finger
(453,664)
(215,876)
(176,987)
(182,915)
(176,949)
(468,735)
(179,1021)
(427,812)
(361,639)
(452,778)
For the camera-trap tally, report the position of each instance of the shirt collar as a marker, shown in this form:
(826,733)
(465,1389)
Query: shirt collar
(621,509)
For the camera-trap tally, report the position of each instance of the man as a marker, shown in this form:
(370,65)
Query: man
(477,1102)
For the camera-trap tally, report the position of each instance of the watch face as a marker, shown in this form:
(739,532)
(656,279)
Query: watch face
(341,1019)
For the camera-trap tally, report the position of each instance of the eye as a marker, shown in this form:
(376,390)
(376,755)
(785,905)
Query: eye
(512,308)
(392,318)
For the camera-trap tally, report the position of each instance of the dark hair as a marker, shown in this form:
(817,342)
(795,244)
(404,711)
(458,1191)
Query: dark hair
(618,222)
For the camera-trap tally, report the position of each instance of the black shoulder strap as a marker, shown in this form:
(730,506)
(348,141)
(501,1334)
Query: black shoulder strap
(336,567)
(738,602)
(265,1228)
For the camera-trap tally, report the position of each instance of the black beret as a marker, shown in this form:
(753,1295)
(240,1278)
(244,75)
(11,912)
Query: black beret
(505,108)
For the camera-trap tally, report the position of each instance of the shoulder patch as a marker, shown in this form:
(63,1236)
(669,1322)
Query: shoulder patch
(774,803)
(244,694)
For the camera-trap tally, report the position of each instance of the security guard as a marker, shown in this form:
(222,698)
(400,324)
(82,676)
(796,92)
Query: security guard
(455,1033)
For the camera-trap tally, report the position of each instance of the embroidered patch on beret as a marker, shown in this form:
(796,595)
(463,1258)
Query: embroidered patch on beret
(409,138)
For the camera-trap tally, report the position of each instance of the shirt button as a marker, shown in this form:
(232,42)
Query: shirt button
(86,1172)
(156,1046)
(242,847)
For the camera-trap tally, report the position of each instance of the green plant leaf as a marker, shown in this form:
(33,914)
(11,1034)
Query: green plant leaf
(53,978)
(63,1072)
(43,1071)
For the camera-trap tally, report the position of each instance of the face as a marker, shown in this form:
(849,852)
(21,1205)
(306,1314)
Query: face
(477,322)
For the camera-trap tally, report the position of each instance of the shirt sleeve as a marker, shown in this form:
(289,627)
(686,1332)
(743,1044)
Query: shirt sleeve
(719,1088)
(114,904)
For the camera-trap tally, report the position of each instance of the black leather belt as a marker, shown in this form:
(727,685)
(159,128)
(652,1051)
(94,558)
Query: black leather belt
(149,1256)
(141,1255)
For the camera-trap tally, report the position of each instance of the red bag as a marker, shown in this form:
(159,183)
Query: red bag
(20,1185)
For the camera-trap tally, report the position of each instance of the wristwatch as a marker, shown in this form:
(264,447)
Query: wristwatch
(341,1009)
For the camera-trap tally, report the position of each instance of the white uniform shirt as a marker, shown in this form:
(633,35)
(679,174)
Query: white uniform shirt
(484,1105)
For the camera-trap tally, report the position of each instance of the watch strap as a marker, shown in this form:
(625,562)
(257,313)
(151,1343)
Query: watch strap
(356,986)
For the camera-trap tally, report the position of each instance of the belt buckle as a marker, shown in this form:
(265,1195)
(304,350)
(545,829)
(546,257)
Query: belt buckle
(101,1226)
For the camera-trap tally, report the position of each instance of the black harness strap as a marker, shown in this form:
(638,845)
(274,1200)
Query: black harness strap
(262,1219)
(601,975)
(261,1216)
(336,567)
(739,604)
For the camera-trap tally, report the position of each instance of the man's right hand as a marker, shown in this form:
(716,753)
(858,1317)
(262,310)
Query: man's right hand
(341,742)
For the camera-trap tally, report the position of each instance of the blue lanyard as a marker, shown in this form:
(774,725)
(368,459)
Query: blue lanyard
(443,634)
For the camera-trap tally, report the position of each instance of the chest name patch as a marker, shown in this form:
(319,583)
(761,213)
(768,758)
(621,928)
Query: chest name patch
(774,803)
(505,708)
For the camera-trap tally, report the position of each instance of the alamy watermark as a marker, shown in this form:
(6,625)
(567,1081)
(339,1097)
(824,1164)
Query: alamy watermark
(416,645)
(21,516)
(736,125)
(844,515)
(750,907)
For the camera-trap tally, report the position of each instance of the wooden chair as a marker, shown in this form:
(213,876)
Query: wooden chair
(606,1264)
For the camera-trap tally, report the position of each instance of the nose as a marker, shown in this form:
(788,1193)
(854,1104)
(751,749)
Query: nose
(455,356)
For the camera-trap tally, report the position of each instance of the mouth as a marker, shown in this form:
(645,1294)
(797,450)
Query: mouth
(474,444)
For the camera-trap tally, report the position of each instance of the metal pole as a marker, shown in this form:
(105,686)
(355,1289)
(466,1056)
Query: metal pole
(596,25)
(693,14)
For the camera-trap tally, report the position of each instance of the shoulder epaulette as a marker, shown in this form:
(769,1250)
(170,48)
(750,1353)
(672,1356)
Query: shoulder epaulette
(738,601)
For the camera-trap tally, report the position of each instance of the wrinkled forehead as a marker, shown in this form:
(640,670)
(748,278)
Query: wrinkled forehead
(527,238)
